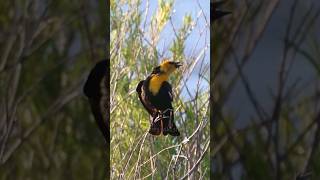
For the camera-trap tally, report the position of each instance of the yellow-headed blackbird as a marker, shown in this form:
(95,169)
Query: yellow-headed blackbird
(96,89)
(155,93)
(217,13)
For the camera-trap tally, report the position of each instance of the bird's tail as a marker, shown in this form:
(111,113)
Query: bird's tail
(169,126)
(164,122)
(156,125)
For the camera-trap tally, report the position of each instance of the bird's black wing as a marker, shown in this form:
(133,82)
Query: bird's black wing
(94,89)
(155,128)
(142,96)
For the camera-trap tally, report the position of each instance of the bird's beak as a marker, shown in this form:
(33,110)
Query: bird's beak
(217,13)
(220,14)
(177,64)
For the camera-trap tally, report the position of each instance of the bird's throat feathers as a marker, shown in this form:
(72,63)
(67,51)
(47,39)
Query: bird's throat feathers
(156,82)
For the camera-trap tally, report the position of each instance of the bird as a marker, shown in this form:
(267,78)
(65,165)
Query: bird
(96,90)
(155,94)
(217,13)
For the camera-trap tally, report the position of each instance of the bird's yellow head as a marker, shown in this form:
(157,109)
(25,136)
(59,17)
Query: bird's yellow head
(169,66)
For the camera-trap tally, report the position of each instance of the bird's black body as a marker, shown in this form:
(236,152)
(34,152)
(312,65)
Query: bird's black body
(95,89)
(159,106)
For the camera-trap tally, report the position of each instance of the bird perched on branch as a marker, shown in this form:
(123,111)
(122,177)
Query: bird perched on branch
(217,13)
(155,94)
(96,89)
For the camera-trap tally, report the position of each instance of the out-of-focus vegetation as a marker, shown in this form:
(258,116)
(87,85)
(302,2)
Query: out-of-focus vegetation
(46,127)
(136,31)
(280,137)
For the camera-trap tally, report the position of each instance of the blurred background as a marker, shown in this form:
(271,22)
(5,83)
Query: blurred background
(266,112)
(47,48)
(142,34)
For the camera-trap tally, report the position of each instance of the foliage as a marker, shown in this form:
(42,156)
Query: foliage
(136,31)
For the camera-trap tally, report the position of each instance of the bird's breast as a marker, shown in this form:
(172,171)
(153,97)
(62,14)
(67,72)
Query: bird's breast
(156,82)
